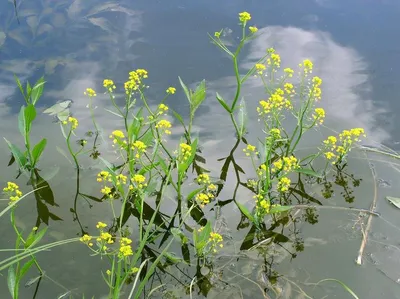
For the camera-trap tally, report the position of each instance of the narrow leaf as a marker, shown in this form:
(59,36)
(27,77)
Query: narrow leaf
(223,103)
(245,211)
(38,150)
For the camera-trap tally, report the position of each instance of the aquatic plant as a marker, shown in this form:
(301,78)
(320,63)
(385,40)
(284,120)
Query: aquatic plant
(145,166)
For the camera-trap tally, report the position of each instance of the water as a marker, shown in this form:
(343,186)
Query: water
(76,44)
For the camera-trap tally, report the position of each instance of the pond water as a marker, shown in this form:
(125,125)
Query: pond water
(76,44)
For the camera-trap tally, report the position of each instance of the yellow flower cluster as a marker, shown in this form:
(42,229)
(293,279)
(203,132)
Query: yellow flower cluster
(107,191)
(203,178)
(289,88)
(138,148)
(125,248)
(73,121)
(117,136)
(185,151)
(90,92)
(275,102)
(319,115)
(109,85)
(105,237)
(335,149)
(308,66)
(253,29)
(171,90)
(284,184)
(274,60)
(162,109)
(260,68)
(135,80)
(104,176)
(263,205)
(165,125)
(12,190)
(250,149)
(204,198)
(121,179)
(139,182)
(215,241)
(289,72)
(86,239)
(285,164)
(316,91)
(244,17)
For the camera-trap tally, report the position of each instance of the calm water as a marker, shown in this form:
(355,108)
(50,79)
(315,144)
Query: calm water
(75,44)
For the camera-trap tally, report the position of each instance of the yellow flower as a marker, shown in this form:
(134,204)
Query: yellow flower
(215,240)
(308,66)
(253,29)
(289,72)
(103,176)
(329,155)
(117,136)
(203,178)
(286,164)
(162,109)
(316,90)
(244,17)
(135,80)
(13,192)
(319,115)
(73,121)
(284,184)
(109,84)
(260,68)
(90,92)
(264,204)
(125,247)
(121,179)
(275,102)
(289,88)
(134,270)
(165,125)
(105,237)
(250,149)
(85,239)
(107,191)
(212,187)
(171,90)
(185,151)
(101,225)
(203,198)
(108,272)
(274,60)
(139,147)
(217,34)
(139,181)
(340,150)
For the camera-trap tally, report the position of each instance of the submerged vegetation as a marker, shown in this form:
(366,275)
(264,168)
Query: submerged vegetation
(140,236)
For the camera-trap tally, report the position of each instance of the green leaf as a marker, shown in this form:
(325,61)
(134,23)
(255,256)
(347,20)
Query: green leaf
(242,118)
(179,118)
(11,280)
(37,237)
(37,90)
(28,90)
(38,150)
(223,103)
(186,90)
(198,96)
(25,119)
(245,211)
(20,88)
(25,268)
(309,172)
(17,154)
(394,200)
(279,209)
(202,238)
